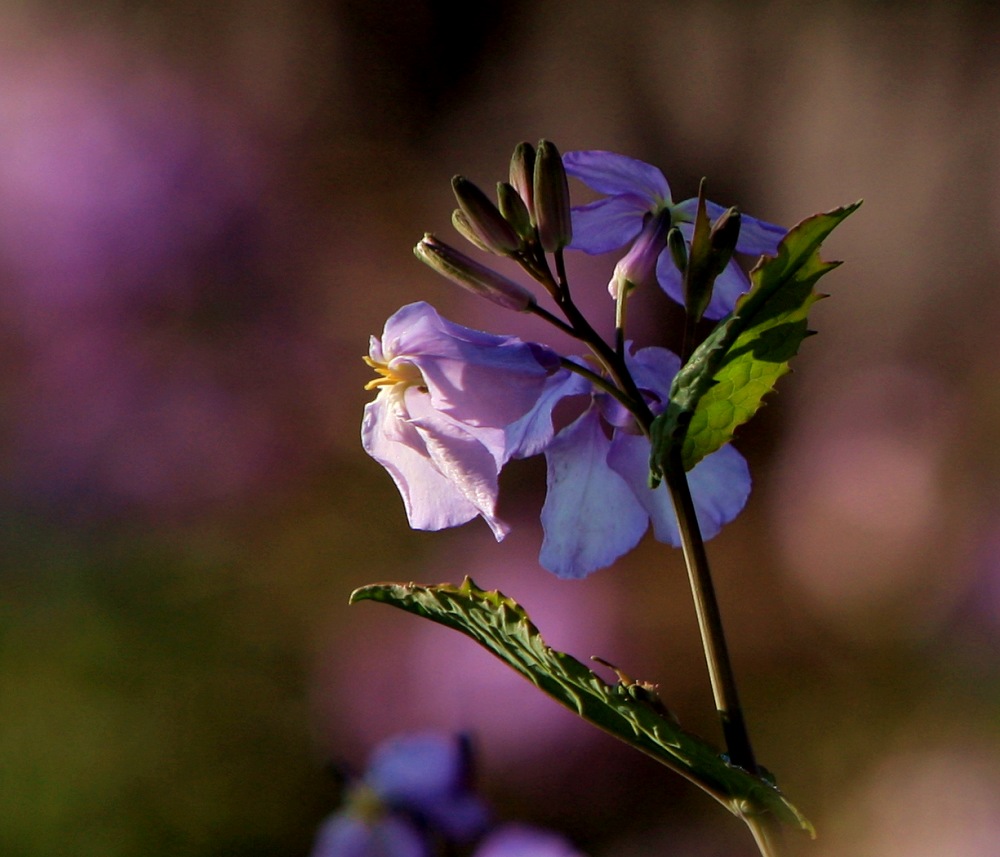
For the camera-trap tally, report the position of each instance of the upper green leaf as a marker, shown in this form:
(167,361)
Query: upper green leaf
(629,711)
(723,383)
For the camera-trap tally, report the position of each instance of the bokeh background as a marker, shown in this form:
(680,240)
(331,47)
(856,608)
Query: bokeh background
(206,210)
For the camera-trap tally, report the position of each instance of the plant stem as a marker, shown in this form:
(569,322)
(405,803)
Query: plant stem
(766,833)
(720,671)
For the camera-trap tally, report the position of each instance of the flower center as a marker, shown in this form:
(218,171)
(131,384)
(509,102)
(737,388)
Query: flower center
(365,804)
(401,373)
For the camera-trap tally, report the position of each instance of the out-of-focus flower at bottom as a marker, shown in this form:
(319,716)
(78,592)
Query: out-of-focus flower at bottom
(415,796)
(417,788)
(520,840)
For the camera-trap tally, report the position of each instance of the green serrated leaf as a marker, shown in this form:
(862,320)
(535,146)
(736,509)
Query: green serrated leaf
(501,625)
(724,382)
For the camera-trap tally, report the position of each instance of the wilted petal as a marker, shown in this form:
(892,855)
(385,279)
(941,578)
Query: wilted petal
(344,835)
(607,224)
(520,840)
(590,516)
(430,775)
(610,173)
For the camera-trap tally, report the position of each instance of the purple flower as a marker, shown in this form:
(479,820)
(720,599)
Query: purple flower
(447,396)
(347,835)
(416,790)
(598,503)
(635,189)
(519,840)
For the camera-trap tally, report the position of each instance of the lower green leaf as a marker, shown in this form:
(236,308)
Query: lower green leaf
(630,711)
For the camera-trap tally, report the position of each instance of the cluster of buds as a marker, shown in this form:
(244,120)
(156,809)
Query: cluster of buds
(530,218)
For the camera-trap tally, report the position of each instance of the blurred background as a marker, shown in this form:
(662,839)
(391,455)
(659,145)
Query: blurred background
(206,210)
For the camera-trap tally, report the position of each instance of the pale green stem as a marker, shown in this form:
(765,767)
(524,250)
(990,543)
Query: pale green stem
(720,671)
(621,302)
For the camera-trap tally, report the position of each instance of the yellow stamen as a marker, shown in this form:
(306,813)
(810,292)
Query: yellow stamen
(403,373)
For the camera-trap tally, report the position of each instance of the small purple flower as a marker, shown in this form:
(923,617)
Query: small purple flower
(520,840)
(598,504)
(635,189)
(429,775)
(417,789)
(350,835)
(447,396)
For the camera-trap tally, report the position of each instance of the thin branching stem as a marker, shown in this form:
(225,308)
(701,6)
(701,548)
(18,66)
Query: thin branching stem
(552,319)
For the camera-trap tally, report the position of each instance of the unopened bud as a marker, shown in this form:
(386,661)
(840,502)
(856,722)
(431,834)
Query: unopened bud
(522,175)
(638,266)
(723,237)
(678,248)
(555,228)
(514,211)
(464,228)
(471,275)
(698,276)
(484,218)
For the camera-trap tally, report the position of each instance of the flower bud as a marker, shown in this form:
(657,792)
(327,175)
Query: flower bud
(514,211)
(522,175)
(551,189)
(723,237)
(638,266)
(484,218)
(699,278)
(678,248)
(464,228)
(469,274)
